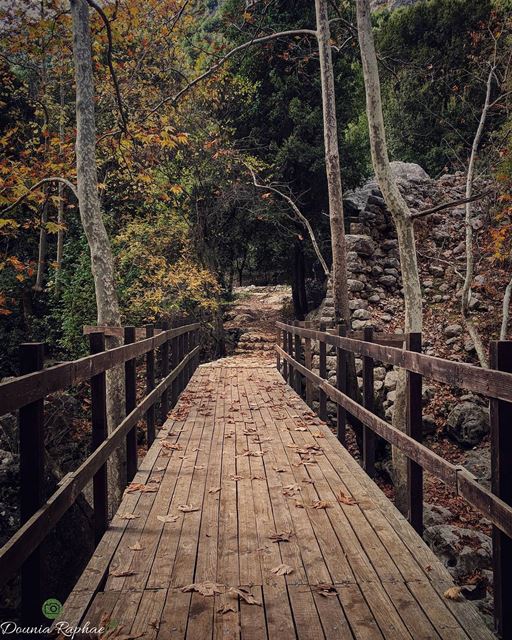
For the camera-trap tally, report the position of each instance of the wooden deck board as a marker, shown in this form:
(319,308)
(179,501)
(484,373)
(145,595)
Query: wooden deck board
(241,461)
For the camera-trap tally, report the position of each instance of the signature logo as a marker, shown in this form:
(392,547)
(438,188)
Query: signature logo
(51,608)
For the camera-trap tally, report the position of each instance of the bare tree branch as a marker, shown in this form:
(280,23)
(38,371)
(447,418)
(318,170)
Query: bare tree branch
(449,205)
(223,60)
(115,81)
(63,181)
(299,215)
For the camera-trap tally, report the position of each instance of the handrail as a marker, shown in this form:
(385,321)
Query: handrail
(455,477)
(17,549)
(26,389)
(488,382)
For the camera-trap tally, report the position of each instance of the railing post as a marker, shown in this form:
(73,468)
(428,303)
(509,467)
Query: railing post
(174,363)
(130,378)
(341,385)
(368,401)
(31,435)
(308,364)
(99,435)
(298,356)
(415,430)
(186,350)
(164,372)
(181,353)
(285,348)
(501,470)
(291,371)
(150,385)
(322,396)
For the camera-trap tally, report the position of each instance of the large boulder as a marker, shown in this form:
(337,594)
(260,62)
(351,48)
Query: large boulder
(468,423)
(463,551)
(408,171)
(360,244)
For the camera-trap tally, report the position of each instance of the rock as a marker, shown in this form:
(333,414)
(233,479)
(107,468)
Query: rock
(357,303)
(468,423)
(361,314)
(390,380)
(478,462)
(355,285)
(428,425)
(374,298)
(379,373)
(361,245)
(408,170)
(387,281)
(434,514)
(463,551)
(453,330)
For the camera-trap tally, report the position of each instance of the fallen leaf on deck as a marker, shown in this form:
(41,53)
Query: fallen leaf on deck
(299,505)
(127,516)
(171,445)
(321,504)
(308,481)
(282,570)
(284,536)
(344,499)
(291,489)
(143,488)
(214,490)
(188,508)
(168,518)
(317,434)
(257,478)
(204,588)
(160,468)
(300,429)
(453,593)
(226,608)
(279,469)
(136,547)
(236,478)
(325,590)
(117,573)
(199,467)
(245,594)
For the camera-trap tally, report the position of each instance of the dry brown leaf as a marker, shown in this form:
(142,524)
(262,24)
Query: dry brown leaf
(257,477)
(299,505)
(291,489)
(279,469)
(321,504)
(167,518)
(127,516)
(175,446)
(308,481)
(453,593)
(300,429)
(226,608)
(160,468)
(284,536)
(119,573)
(143,488)
(214,490)
(236,478)
(245,594)
(342,498)
(136,547)
(317,434)
(325,589)
(282,570)
(188,508)
(206,589)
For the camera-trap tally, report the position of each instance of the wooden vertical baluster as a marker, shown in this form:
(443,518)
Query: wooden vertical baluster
(368,402)
(181,353)
(415,430)
(278,355)
(32,475)
(130,377)
(285,348)
(501,469)
(308,356)
(164,372)
(99,435)
(298,357)
(150,385)
(174,363)
(341,384)
(322,397)
(186,350)
(291,370)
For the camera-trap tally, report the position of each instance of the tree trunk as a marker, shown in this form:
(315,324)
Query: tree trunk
(299,297)
(60,205)
(401,216)
(332,166)
(102,262)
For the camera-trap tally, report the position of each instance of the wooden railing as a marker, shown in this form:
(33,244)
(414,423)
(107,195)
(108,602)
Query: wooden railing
(294,362)
(178,355)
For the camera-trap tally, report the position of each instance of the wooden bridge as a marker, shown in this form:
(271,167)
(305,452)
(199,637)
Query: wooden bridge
(247,517)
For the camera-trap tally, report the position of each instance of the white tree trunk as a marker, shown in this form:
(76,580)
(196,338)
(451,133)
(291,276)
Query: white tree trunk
(470,261)
(401,216)
(332,166)
(102,262)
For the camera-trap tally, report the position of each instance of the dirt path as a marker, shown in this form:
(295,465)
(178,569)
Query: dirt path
(253,314)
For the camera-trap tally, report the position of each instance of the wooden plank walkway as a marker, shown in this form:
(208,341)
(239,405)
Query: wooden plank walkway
(242,459)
